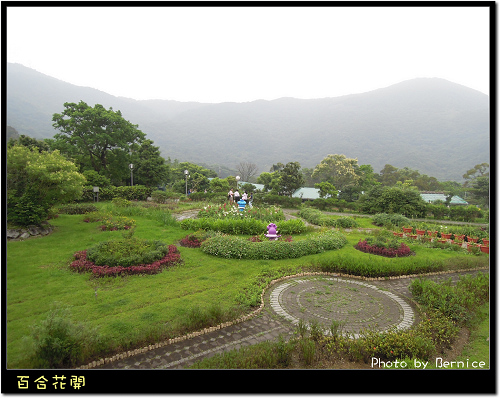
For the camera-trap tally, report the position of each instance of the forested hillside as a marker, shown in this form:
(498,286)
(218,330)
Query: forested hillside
(432,125)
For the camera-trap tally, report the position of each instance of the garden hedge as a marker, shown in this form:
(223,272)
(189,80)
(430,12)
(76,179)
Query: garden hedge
(235,247)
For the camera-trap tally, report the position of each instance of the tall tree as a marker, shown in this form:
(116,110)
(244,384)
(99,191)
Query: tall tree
(38,180)
(94,135)
(247,170)
(291,178)
(150,168)
(338,170)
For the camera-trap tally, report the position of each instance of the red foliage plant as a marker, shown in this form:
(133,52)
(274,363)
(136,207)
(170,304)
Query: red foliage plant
(81,264)
(190,241)
(402,251)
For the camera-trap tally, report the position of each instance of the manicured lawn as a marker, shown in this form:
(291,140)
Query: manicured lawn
(133,311)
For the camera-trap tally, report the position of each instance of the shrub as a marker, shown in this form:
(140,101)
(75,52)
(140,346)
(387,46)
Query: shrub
(127,252)
(57,342)
(457,302)
(244,226)
(317,217)
(164,196)
(121,202)
(388,220)
(196,239)
(114,223)
(235,247)
(81,264)
(384,250)
(77,208)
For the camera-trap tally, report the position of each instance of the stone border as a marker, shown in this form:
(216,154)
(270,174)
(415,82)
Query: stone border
(127,354)
(408,316)
(29,232)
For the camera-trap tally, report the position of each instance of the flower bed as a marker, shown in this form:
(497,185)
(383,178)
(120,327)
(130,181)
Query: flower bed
(234,247)
(226,211)
(110,222)
(244,226)
(82,264)
(401,251)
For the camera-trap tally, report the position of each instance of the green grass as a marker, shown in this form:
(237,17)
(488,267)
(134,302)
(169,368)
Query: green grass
(137,310)
(478,348)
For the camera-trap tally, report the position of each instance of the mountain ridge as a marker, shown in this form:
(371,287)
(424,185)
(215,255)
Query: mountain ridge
(437,127)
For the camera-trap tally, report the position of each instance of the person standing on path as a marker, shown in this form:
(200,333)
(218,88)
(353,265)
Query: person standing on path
(230,196)
(245,197)
(236,196)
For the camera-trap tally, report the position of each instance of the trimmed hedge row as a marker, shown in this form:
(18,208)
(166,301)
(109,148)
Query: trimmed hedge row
(247,226)
(235,247)
(317,217)
(136,192)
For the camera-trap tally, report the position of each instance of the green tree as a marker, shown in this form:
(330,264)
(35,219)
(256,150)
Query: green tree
(326,189)
(94,136)
(290,178)
(38,180)
(219,185)
(480,190)
(338,170)
(399,199)
(33,143)
(478,184)
(150,168)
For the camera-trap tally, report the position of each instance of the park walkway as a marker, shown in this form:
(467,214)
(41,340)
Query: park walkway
(269,323)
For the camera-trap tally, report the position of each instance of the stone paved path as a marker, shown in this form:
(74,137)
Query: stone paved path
(389,302)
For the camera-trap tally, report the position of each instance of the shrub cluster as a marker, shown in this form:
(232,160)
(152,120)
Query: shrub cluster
(57,342)
(135,192)
(244,226)
(317,217)
(458,302)
(81,264)
(389,220)
(196,239)
(270,214)
(381,250)
(77,208)
(127,252)
(235,247)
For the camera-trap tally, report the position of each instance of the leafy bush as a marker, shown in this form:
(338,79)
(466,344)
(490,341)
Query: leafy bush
(196,239)
(77,208)
(457,302)
(29,209)
(127,252)
(164,196)
(121,202)
(382,250)
(317,217)
(81,264)
(388,220)
(244,226)
(269,214)
(235,247)
(57,342)
(114,223)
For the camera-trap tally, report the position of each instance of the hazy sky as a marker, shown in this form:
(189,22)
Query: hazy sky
(219,54)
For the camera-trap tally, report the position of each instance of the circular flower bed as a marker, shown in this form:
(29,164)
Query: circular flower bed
(126,257)
(386,249)
(226,246)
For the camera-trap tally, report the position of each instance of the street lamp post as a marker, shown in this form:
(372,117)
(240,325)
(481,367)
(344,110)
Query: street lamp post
(237,179)
(186,172)
(131,174)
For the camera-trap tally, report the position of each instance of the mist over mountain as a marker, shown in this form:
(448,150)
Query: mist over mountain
(431,125)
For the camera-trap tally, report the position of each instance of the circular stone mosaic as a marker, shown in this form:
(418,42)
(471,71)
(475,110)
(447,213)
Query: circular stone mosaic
(357,305)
